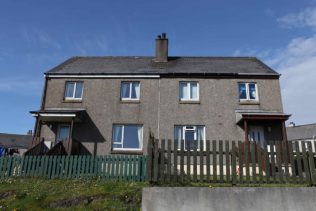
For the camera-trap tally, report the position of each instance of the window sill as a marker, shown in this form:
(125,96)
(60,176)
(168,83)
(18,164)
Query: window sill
(189,102)
(127,152)
(130,101)
(72,101)
(249,102)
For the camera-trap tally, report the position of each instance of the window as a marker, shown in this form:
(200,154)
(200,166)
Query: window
(130,91)
(127,137)
(189,91)
(63,133)
(74,90)
(248,91)
(190,135)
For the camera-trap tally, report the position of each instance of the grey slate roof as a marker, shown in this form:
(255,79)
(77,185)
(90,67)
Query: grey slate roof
(15,141)
(301,132)
(175,65)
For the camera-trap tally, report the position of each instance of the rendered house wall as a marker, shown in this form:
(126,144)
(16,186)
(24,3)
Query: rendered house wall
(159,108)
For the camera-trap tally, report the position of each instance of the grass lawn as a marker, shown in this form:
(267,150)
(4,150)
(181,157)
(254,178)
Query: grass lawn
(39,194)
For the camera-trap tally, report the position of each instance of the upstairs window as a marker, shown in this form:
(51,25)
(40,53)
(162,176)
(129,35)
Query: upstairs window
(130,90)
(189,91)
(74,90)
(248,91)
(190,136)
(127,137)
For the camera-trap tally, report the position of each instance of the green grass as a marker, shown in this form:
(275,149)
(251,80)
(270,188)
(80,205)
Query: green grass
(39,194)
(58,194)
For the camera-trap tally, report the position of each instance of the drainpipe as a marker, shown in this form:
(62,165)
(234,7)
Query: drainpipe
(158,132)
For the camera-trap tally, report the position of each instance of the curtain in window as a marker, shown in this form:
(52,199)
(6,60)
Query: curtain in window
(135,90)
(252,91)
(242,91)
(178,134)
(69,90)
(78,91)
(194,91)
(140,138)
(117,133)
(125,90)
(184,92)
(200,135)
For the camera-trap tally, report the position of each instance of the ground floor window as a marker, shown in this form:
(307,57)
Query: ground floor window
(190,136)
(63,132)
(127,137)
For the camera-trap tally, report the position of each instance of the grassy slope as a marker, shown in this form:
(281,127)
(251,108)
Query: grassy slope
(38,194)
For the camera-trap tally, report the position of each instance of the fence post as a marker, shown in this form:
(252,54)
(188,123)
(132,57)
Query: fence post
(311,164)
(234,163)
(150,159)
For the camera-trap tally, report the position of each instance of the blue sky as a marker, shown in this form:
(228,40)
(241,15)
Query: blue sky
(37,35)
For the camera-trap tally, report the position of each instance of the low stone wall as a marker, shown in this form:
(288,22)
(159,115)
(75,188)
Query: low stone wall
(230,199)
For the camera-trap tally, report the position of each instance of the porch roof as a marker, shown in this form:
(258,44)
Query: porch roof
(59,115)
(242,115)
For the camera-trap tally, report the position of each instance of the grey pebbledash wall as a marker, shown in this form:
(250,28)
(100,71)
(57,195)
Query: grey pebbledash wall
(228,199)
(159,108)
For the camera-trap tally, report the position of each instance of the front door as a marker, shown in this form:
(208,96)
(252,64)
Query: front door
(256,133)
(62,133)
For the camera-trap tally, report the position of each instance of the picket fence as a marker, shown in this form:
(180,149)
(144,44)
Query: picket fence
(109,167)
(232,162)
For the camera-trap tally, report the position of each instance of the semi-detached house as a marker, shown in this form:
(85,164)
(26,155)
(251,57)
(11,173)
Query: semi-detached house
(105,105)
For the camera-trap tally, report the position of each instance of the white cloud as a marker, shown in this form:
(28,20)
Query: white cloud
(22,86)
(304,18)
(35,35)
(297,64)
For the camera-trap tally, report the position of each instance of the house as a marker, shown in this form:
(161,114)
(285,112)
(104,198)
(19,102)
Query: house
(14,144)
(305,133)
(111,104)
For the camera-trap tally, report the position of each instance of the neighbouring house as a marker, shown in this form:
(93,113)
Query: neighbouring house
(103,105)
(14,144)
(302,133)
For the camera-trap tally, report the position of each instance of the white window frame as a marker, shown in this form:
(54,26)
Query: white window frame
(122,138)
(189,90)
(74,92)
(130,91)
(185,128)
(247,91)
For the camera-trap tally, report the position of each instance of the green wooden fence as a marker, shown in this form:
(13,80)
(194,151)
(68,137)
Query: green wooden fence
(232,162)
(108,167)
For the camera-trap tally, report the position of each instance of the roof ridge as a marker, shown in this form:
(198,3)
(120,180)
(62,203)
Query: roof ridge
(311,124)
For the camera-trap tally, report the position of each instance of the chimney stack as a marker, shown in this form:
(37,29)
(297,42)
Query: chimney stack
(161,48)
(292,124)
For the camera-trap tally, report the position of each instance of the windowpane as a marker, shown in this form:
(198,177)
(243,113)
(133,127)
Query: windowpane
(63,133)
(184,92)
(194,90)
(189,139)
(242,91)
(125,89)
(127,136)
(117,133)
(131,137)
(135,90)
(78,91)
(191,136)
(252,91)
(70,86)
